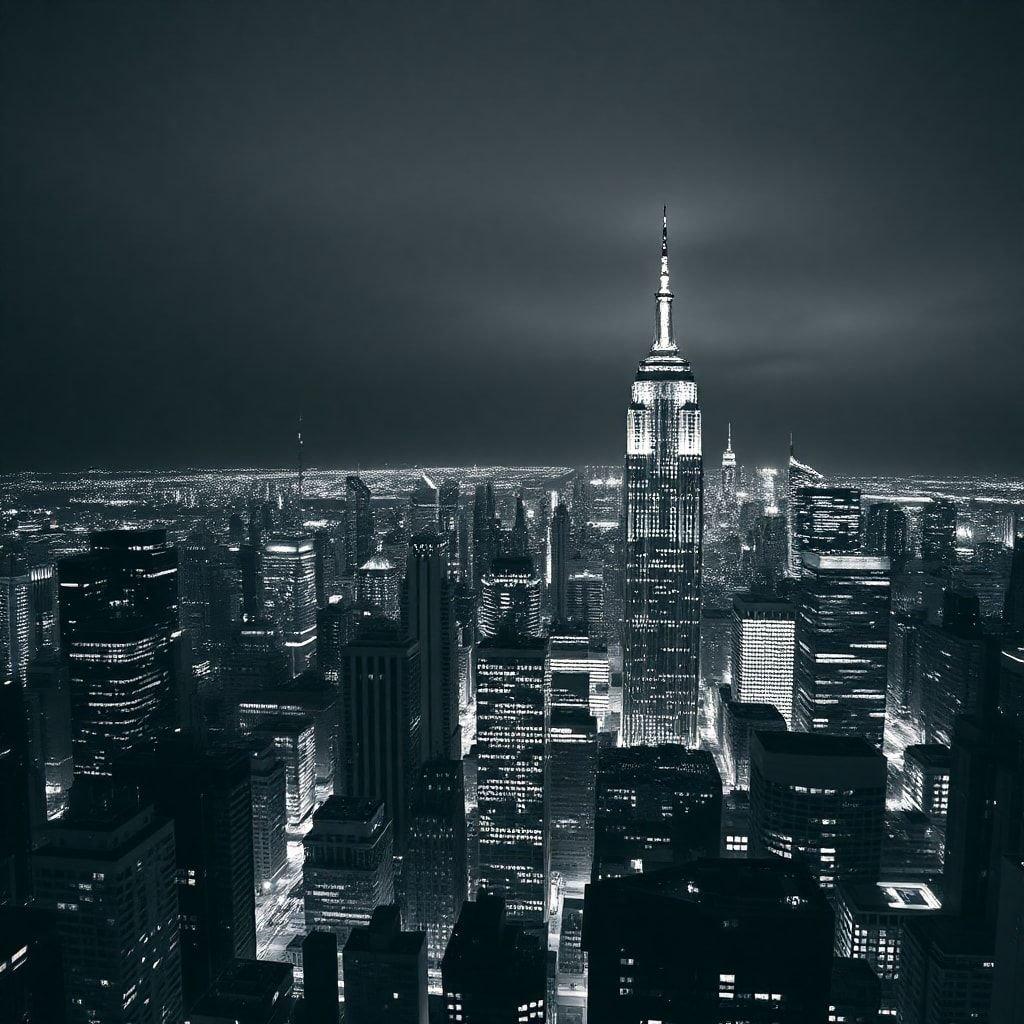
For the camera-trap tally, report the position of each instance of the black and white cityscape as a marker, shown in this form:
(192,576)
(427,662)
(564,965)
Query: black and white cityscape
(573,573)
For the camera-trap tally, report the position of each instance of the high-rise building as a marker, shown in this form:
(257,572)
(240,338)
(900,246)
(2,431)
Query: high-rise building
(710,941)
(511,598)
(520,538)
(572,771)
(842,640)
(16,635)
(1013,604)
(294,740)
(358,523)
(1007,990)
(763,650)
(31,968)
(826,521)
(739,720)
(768,555)
(435,869)
(108,873)
(819,799)
(887,533)
(378,586)
(288,563)
(586,600)
(428,615)
(269,813)
(800,475)
(385,972)
(656,806)
(348,870)
(247,991)
(207,794)
(452,521)
(558,549)
(424,507)
(926,770)
(855,995)
(938,533)
(492,970)
(727,488)
(510,774)
(485,546)
(48,702)
(120,641)
(320,1003)
(380,721)
(663,516)
(21,798)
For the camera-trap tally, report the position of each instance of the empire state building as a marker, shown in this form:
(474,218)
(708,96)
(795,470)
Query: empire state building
(664,484)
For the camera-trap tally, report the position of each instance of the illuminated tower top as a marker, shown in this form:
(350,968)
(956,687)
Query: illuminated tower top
(663,338)
(729,456)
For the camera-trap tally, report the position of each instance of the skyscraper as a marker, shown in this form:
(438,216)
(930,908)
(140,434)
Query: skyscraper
(358,523)
(484,532)
(428,612)
(16,634)
(424,507)
(938,533)
(379,587)
(799,475)
(510,774)
(728,484)
(826,520)
(120,641)
(269,812)
(887,532)
(558,547)
(289,592)
(842,640)
(511,598)
(572,770)
(664,508)
(452,521)
(763,648)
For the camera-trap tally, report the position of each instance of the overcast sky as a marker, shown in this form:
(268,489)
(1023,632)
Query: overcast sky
(433,229)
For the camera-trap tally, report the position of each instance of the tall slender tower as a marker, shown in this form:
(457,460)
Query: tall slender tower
(664,486)
(729,473)
(800,475)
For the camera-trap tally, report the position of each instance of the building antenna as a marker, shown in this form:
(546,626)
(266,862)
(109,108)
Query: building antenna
(300,462)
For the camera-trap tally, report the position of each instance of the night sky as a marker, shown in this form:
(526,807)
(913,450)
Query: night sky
(433,229)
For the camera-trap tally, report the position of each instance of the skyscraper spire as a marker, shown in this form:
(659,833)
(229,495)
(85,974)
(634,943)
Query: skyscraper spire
(663,339)
(728,446)
(300,462)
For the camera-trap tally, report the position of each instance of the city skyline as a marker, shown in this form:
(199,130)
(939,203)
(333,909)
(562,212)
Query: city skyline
(232,236)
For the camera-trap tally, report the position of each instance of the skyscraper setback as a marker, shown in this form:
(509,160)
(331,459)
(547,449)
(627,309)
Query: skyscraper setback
(664,496)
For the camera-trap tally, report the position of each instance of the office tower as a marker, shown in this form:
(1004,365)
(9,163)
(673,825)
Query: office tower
(572,771)
(903,697)
(763,651)
(586,590)
(454,529)
(913,846)
(558,547)
(714,940)
(656,806)
(926,769)
(819,799)
(385,972)
(946,971)
(768,557)
(206,792)
(424,507)
(727,488)
(31,968)
(21,797)
(484,532)
(252,662)
(520,539)
(120,641)
(510,733)
(45,639)
(288,563)
(938,533)
(294,740)
(348,868)
(16,634)
(511,598)
(358,524)
(428,615)
(492,970)
(799,476)
(1013,603)
(48,703)
(320,1004)
(571,652)
(887,533)
(663,516)
(378,586)
(435,869)
(986,805)
(108,873)
(1007,987)
(953,660)
(247,992)
(855,993)
(580,506)
(869,926)
(842,639)
(335,626)
(740,720)
(826,521)
(269,813)
(766,478)
(380,730)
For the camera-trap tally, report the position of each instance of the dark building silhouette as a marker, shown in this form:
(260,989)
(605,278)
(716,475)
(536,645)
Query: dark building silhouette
(380,721)
(1013,605)
(558,548)
(1008,978)
(485,533)
(799,475)
(107,871)
(655,806)
(493,972)
(385,972)
(826,521)
(358,523)
(739,721)
(435,868)
(842,638)
(926,770)
(21,799)
(855,993)
(31,968)
(120,641)
(821,800)
(247,992)
(710,941)
(207,794)
(320,1003)
(48,705)
(428,616)
(887,533)
(938,533)
(571,778)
